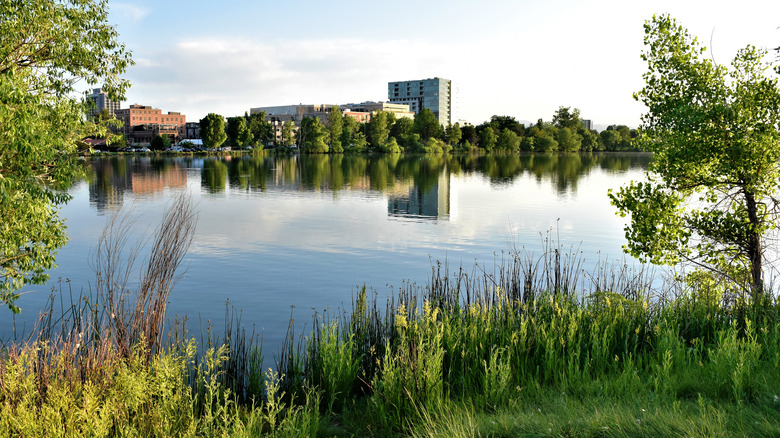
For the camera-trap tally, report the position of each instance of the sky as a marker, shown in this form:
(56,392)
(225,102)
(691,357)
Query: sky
(518,58)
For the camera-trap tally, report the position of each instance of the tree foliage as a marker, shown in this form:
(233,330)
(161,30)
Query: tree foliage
(238,133)
(713,180)
(378,130)
(260,128)
(312,136)
(565,117)
(47,48)
(488,139)
(426,124)
(212,130)
(160,143)
(335,125)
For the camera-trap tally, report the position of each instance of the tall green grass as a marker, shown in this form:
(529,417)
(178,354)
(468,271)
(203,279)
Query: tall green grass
(530,346)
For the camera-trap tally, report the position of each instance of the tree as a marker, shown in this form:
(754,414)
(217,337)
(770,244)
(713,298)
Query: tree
(715,137)
(567,140)
(348,131)
(160,143)
(453,134)
(508,140)
(335,126)
(312,136)
(378,130)
(47,47)
(212,130)
(610,140)
(402,126)
(566,118)
(426,125)
(499,123)
(469,134)
(590,140)
(287,133)
(261,129)
(237,132)
(245,137)
(488,139)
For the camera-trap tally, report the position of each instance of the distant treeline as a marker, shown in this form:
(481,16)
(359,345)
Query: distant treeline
(387,133)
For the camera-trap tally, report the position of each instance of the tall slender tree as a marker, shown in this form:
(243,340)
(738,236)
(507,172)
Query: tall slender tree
(714,131)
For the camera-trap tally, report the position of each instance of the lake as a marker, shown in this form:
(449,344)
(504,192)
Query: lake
(282,234)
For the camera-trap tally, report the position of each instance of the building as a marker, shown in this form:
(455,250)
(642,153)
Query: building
(101,101)
(295,113)
(587,124)
(434,94)
(410,201)
(192,130)
(142,123)
(277,115)
(399,109)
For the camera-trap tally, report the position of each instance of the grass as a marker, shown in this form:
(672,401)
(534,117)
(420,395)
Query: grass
(533,346)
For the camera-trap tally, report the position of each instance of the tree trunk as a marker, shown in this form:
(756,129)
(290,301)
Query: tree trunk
(754,246)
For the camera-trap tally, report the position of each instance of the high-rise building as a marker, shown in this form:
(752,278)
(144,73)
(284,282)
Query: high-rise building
(434,94)
(101,101)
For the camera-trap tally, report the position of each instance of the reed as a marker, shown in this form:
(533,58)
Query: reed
(531,345)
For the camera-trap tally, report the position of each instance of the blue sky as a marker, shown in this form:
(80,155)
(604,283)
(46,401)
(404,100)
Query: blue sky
(518,58)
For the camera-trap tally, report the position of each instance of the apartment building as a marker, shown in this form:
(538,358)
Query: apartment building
(434,94)
(101,101)
(142,123)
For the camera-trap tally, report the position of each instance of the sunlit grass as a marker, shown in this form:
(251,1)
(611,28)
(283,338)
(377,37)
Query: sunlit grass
(521,350)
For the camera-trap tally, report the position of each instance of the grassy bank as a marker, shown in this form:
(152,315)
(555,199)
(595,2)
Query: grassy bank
(532,347)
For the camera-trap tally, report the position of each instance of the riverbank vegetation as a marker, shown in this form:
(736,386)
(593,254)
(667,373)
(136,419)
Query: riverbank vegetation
(386,133)
(533,345)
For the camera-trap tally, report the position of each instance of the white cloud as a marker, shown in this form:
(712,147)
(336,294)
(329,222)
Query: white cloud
(202,75)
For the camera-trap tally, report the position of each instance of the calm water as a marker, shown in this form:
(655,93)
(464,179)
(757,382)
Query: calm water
(306,231)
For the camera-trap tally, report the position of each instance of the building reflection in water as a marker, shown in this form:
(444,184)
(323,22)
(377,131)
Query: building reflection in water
(410,201)
(114,178)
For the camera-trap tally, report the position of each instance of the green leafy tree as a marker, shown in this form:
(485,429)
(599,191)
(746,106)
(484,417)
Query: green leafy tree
(544,135)
(453,134)
(488,139)
(426,124)
(715,136)
(565,117)
(335,125)
(469,134)
(312,136)
(508,140)
(499,123)
(590,140)
(378,130)
(402,126)
(160,143)
(350,127)
(545,143)
(568,139)
(47,47)
(212,130)
(245,137)
(287,134)
(611,140)
(261,129)
(238,132)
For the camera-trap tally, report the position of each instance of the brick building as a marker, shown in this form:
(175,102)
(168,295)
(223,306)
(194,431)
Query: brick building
(142,123)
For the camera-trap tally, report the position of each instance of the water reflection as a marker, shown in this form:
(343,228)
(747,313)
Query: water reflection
(415,186)
(112,178)
(281,230)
